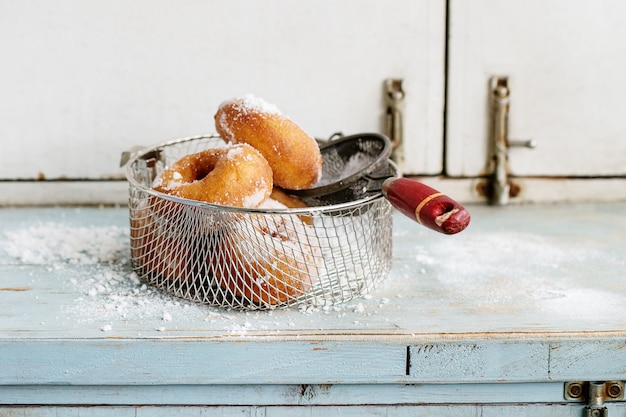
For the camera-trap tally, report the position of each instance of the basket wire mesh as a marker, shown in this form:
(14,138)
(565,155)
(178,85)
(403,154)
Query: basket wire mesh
(250,259)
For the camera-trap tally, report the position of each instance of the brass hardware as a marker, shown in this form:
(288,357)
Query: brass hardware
(595,394)
(501,184)
(394,129)
(580,390)
(575,391)
(595,407)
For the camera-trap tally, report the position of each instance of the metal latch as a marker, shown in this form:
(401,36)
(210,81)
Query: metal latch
(501,187)
(394,129)
(595,394)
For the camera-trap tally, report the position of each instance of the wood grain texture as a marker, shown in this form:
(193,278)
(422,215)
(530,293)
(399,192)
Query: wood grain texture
(284,394)
(498,303)
(402,410)
(564,78)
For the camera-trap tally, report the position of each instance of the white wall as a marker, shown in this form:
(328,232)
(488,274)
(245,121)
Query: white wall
(565,61)
(82,81)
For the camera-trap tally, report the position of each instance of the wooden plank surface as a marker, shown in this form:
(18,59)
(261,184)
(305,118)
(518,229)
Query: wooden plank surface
(515,270)
(503,301)
(287,394)
(404,410)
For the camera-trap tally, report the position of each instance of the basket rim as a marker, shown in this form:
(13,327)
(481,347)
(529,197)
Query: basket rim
(202,204)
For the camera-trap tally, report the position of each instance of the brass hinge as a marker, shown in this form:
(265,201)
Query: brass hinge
(595,394)
(394,123)
(500,186)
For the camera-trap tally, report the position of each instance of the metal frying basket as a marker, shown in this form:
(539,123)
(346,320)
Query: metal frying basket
(250,259)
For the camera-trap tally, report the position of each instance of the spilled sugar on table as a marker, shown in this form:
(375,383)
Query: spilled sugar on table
(524,312)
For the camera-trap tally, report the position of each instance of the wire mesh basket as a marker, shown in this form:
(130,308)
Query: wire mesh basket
(250,259)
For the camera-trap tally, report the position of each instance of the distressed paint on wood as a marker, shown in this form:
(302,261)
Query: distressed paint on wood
(404,410)
(515,272)
(565,80)
(497,310)
(583,361)
(480,361)
(199,361)
(294,395)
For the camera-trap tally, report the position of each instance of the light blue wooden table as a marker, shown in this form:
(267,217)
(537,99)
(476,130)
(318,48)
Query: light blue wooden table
(493,321)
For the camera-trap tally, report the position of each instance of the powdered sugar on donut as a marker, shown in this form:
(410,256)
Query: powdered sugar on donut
(272,258)
(175,182)
(244,105)
(237,175)
(291,152)
(288,232)
(235,151)
(250,103)
(255,199)
(260,194)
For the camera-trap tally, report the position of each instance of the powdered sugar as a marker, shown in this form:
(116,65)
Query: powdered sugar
(94,261)
(73,245)
(275,248)
(355,164)
(250,103)
(511,278)
(505,271)
(234,151)
(176,181)
(255,199)
(244,105)
(221,121)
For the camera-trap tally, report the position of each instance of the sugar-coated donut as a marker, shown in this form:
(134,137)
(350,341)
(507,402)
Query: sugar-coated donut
(290,201)
(273,260)
(293,155)
(158,250)
(235,175)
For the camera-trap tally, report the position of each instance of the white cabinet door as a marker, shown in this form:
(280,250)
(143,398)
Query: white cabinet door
(83,81)
(566,62)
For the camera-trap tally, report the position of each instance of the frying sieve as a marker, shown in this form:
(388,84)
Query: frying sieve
(352,167)
(204,252)
(357,166)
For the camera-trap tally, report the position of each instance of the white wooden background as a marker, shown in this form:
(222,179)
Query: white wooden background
(566,63)
(81,82)
(84,81)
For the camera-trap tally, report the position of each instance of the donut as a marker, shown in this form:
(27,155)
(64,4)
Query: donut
(271,260)
(293,155)
(290,201)
(159,252)
(236,175)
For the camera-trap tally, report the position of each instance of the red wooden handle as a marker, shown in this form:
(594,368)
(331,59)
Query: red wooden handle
(426,205)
